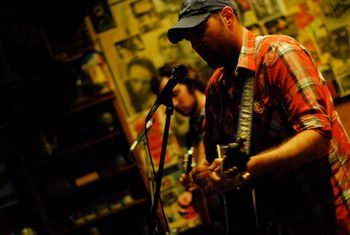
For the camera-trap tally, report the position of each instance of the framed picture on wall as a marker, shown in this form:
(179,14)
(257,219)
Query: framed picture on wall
(128,48)
(336,13)
(266,9)
(344,85)
(148,18)
(101,17)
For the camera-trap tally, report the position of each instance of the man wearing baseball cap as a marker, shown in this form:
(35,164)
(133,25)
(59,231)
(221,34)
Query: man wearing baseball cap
(267,97)
(192,13)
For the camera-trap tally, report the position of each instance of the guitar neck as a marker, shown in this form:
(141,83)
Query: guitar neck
(188,161)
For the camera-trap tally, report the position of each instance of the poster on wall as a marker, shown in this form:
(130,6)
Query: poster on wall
(340,52)
(178,221)
(101,16)
(336,13)
(130,47)
(166,7)
(282,25)
(344,84)
(139,46)
(267,9)
(146,15)
(246,13)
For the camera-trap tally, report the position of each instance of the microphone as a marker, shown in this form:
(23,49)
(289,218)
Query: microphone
(178,73)
(137,140)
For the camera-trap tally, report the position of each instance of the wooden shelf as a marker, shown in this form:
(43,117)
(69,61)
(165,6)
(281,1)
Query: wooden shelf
(61,155)
(71,229)
(82,146)
(105,176)
(89,102)
(87,167)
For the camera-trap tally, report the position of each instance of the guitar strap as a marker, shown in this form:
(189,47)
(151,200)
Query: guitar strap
(243,137)
(244,128)
(245,119)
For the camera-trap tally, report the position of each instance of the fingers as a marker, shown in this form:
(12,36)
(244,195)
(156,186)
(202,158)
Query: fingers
(192,187)
(216,164)
(215,176)
(201,178)
(204,173)
(200,171)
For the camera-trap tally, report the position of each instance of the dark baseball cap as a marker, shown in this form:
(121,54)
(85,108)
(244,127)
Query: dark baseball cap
(194,12)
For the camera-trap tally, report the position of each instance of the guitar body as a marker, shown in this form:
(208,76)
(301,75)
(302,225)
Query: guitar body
(226,213)
(240,213)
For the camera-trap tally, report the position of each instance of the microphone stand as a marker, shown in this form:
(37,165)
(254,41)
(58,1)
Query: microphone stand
(149,171)
(169,111)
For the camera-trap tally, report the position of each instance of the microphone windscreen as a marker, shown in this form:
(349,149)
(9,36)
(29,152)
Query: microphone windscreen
(180,71)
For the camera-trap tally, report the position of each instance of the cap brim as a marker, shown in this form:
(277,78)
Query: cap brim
(177,32)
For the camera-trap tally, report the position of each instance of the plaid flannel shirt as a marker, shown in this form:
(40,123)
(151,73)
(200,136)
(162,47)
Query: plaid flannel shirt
(290,96)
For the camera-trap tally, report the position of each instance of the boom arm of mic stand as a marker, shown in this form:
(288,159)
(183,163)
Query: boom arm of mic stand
(159,176)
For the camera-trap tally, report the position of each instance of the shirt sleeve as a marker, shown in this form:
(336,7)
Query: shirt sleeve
(299,87)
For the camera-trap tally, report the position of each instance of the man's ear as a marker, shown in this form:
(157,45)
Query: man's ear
(227,15)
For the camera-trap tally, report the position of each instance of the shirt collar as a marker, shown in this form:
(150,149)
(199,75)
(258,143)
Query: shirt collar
(247,55)
(246,60)
(246,65)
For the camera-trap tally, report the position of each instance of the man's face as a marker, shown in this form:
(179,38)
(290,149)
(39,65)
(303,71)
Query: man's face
(183,100)
(211,40)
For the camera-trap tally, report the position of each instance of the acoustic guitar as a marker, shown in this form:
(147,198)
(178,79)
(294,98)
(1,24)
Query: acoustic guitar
(232,212)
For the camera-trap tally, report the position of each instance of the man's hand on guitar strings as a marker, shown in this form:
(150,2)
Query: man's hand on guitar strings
(231,183)
(210,176)
(201,174)
(221,182)
(215,169)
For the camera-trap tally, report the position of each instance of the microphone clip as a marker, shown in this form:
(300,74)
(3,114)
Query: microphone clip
(142,134)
